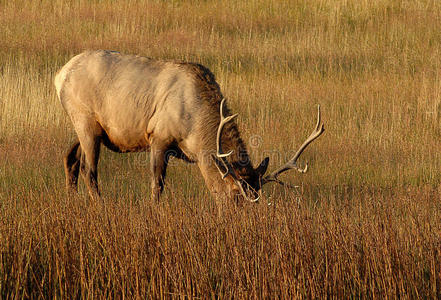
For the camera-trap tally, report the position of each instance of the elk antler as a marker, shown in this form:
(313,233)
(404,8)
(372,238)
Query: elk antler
(292,164)
(219,153)
(223,156)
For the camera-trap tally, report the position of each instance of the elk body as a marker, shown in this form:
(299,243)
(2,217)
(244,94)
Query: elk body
(131,103)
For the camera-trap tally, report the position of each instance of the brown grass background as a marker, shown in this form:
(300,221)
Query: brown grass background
(365,221)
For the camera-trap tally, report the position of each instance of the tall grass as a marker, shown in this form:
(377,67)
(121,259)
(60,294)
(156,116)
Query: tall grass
(365,221)
(370,245)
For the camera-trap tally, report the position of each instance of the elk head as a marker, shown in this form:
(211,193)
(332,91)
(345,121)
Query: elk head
(250,184)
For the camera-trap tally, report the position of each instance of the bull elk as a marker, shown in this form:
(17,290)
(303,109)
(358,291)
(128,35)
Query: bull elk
(131,103)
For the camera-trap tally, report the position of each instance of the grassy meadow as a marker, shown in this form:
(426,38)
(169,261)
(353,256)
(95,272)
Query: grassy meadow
(365,221)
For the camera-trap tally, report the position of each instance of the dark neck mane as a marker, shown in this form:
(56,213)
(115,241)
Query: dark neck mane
(209,91)
(239,159)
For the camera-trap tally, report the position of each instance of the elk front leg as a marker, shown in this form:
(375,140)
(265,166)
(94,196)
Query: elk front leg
(158,166)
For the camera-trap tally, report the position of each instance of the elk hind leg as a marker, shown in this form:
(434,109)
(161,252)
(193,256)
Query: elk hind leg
(89,133)
(89,166)
(72,167)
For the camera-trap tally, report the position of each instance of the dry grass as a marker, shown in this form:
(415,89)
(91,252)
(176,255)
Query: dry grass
(366,221)
(369,245)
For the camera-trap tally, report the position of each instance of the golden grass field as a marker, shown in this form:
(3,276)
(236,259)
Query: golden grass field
(365,221)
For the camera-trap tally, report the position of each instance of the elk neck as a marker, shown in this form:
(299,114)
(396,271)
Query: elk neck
(209,92)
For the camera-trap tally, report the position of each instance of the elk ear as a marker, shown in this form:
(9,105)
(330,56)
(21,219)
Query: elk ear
(261,169)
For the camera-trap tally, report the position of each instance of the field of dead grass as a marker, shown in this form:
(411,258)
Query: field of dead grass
(365,221)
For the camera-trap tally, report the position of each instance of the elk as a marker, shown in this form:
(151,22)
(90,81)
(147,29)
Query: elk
(172,109)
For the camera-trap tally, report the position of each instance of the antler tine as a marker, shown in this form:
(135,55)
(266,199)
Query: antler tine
(224,120)
(292,163)
(318,118)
